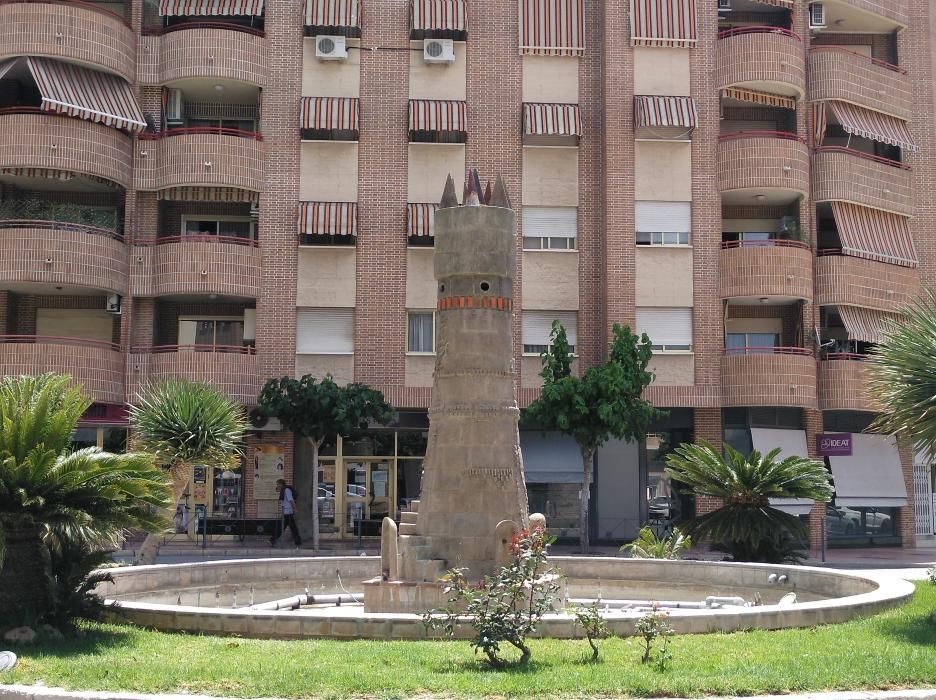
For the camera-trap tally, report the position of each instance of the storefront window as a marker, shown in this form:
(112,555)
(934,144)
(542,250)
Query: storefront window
(860,525)
(84,437)
(560,504)
(115,440)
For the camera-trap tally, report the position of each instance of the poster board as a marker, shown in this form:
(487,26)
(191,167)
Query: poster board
(267,467)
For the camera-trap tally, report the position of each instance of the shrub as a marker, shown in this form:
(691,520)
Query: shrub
(651,627)
(505,607)
(592,623)
(649,546)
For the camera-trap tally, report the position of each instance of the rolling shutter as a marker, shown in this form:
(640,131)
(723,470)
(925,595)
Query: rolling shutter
(669,217)
(324,331)
(537,326)
(553,222)
(666,327)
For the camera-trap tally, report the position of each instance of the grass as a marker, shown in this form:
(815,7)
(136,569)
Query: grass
(896,649)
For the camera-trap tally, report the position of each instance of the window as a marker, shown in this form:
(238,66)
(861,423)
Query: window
(751,343)
(232,226)
(669,329)
(663,223)
(325,331)
(536,329)
(200,330)
(550,228)
(747,236)
(420,332)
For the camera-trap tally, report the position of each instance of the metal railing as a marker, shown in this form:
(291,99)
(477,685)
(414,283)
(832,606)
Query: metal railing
(198,238)
(861,154)
(225,349)
(58,340)
(845,356)
(769,243)
(762,29)
(202,24)
(41,213)
(783,135)
(845,49)
(768,350)
(185,130)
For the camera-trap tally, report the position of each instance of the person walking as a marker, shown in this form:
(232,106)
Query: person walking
(287,496)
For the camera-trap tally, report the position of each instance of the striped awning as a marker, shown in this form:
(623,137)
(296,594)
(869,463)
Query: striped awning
(330,113)
(332,13)
(209,8)
(866,325)
(438,115)
(669,23)
(877,126)
(421,219)
(439,16)
(328,218)
(767,99)
(551,119)
(820,122)
(552,27)
(874,234)
(657,111)
(208,194)
(53,174)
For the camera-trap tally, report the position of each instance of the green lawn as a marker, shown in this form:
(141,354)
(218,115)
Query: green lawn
(895,649)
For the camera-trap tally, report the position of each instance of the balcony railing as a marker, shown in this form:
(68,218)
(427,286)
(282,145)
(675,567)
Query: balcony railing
(93,6)
(769,243)
(217,130)
(225,349)
(768,350)
(28,213)
(857,357)
(861,154)
(198,238)
(59,340)
(738,31)
(785,135)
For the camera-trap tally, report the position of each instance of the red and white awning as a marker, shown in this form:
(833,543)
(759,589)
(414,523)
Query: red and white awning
(767,99)
(328,218)
(53,174)
(866,325)
(438,115)
(88,94)
(421,219)
(439,16)
(667,23)
(659,111)
(330,113)
(820,122)
(208,194)
(332,13)
(876,126)
(551,119)
(874,234)
(210,8)
(552,27)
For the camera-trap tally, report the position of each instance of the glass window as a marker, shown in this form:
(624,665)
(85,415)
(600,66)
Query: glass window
(421,331)
(548,243)
(234,227)
(664,238)
(752,343)
(212,332)
(115,440)
(84,437)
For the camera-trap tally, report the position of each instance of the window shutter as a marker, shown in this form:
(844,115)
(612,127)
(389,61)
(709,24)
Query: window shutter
(324,331)
(670,217)
(555,222)
(537,326)
(666,326)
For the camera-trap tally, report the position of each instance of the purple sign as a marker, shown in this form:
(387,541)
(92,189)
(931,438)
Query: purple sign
(834,444)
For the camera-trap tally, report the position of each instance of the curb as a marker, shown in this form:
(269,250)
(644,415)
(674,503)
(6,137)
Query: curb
(35,692)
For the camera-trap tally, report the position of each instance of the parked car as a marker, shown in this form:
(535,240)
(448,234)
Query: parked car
(842,521)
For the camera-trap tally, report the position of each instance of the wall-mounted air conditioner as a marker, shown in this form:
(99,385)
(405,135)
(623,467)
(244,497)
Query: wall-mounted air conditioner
(260,422)
(439,51)
(330,48)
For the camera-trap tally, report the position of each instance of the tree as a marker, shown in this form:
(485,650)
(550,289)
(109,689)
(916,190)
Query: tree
(902,375)
(316,410)
(746,526)
(183,423)
(53,498)
(604,403)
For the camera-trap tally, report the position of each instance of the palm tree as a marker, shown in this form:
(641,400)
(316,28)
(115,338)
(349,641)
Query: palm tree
(50,495)
(746,526)
(902,375)
(184,423)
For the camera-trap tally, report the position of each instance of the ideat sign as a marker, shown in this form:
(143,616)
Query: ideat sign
(834,444)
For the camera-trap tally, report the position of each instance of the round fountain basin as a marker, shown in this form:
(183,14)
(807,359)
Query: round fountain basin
(216,597)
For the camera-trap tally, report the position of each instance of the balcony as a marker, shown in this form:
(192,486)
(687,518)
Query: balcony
(869,16)
(761,58)
(843,384)
(768,377)
(836,73)
(74,31)
(233,369)
(200,157)
(772,167)
(846,175)
(774,268)
(95,365)
(34,139)
(204,50)
(850,281)
(192,264)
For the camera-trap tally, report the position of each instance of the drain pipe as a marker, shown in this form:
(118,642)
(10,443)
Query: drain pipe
(297,601)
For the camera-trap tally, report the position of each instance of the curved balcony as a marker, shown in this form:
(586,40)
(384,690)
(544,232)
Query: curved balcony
(897,11)
(847,175)
(769,163)
(221,265)
(837,73)
(34,139)
(201,156)
(768,377)
(851,281)
(234,369)
(62,254)
(843,384)
(758,269)
(761,58)
(97,366)
(204,50)
(74,31)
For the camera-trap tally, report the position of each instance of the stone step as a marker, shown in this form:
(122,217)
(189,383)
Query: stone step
(414,540)
(414,506)
(407,529)
(408,516)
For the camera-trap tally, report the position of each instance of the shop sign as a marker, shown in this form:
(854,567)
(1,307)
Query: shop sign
(834,444)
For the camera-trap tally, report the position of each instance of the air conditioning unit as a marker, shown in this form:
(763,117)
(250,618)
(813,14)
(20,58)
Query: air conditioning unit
(330,48)
(439,51)
(113,303)
(260,422)
(817,16)
(724,6)
(173,106)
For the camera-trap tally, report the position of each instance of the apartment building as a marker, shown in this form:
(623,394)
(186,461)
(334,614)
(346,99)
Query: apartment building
(236,190)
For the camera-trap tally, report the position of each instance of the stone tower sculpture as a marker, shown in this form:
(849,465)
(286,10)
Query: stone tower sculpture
(473,471)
